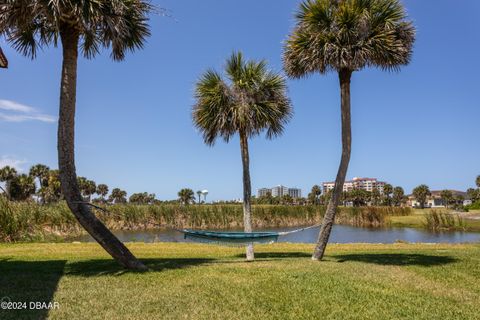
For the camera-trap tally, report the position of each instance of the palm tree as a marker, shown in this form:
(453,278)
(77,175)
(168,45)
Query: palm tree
(199,194)
(315,194)
(53,191)
(447,197)
(473,194)
(21,187)
(186,196)
(118,196)
(375,196)
(421,193)
(346,36)
(250,100)
(102,191)
(3,60)
(398,196)
(387,191)
(90,25)
(7,174)
(42,173)
(477,181)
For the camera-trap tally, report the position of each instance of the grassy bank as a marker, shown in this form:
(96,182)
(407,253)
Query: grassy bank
(399,281)
(33,222)
(437,220)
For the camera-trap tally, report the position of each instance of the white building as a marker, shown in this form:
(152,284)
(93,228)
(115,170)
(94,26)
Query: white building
(368,184)
(280,191)
(263,192)
(295,192)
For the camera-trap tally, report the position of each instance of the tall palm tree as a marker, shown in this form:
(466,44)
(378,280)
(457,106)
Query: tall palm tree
(251,100)
(186,196)
(118,196)
(102,191)
(21,187)
(421,193)
(398,196)
(387,191)
(447,197)
(7,174)
(90,25)
(477,181)
(346,36)
(199,194)
(40,172)
(315,194)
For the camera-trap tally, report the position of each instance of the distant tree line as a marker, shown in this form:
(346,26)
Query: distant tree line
(43,184)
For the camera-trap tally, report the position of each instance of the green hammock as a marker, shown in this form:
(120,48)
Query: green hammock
(236,238)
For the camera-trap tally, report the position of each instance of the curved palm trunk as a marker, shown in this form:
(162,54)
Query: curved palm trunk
(247,192)
(328,220)
(66,158)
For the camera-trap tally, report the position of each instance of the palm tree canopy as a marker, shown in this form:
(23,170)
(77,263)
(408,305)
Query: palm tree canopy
(7,173)
(119,24)
(250,100)
(331,35)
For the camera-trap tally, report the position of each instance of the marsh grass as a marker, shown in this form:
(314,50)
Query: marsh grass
(439,220)
(28,221)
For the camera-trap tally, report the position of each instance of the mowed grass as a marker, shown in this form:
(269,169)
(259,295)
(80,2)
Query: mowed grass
(194,281)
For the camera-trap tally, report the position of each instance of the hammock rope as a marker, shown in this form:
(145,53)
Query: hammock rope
(226,238)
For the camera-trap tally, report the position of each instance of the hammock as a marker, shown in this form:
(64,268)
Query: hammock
(225,238)
(236,238)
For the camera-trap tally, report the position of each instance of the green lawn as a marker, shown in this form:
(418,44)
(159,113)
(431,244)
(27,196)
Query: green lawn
(398,281)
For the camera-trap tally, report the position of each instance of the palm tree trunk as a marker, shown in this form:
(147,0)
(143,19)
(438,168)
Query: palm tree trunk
(247,192)
(66,158)
(328,220)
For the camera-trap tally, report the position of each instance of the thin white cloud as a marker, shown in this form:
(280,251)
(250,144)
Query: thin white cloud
(16,112)
(12,162)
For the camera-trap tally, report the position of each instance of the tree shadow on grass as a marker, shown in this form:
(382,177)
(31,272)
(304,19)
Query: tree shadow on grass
(397,259)
(28,281)
(99,267)
(277,255)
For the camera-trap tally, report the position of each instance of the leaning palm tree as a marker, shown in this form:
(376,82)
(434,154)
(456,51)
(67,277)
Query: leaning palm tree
(346,36)
(250,100)
(87,25)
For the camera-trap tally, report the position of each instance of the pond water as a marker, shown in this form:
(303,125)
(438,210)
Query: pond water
(340,234)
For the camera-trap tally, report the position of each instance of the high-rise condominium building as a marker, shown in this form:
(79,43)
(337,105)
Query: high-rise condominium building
(367,184)
(280,191)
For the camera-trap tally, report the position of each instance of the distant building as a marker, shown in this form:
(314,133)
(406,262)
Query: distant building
(367,184)
(295,193)
(263,192)
(435,199)
(280,191)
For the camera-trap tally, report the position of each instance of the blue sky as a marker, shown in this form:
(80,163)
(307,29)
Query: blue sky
(134,129)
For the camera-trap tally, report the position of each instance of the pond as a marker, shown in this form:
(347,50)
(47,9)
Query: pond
(340,234)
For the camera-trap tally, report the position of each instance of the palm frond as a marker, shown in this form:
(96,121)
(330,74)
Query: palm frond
(348,34)
(251,99)
(121,25)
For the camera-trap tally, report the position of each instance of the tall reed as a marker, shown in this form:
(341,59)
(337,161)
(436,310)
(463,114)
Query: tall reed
(439,220)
